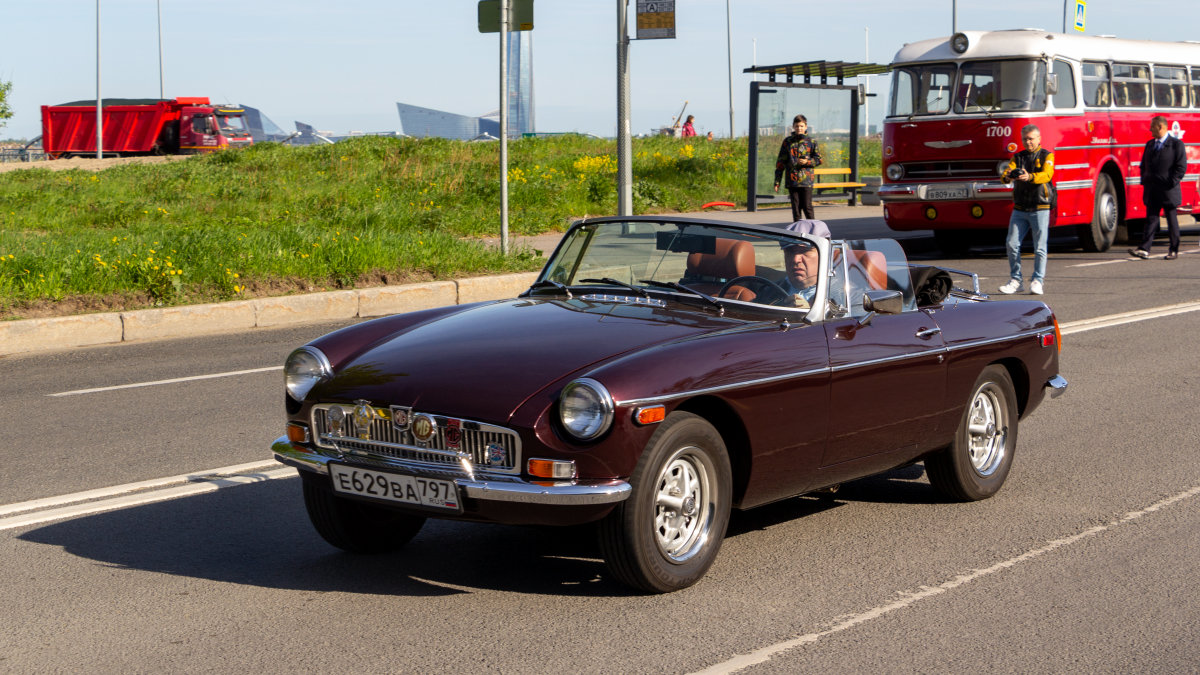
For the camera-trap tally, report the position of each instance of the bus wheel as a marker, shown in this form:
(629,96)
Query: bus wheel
(1106,215)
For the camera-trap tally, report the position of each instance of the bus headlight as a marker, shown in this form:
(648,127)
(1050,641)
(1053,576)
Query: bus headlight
(895,171)
(1001,167)
(959,43)
(585,409)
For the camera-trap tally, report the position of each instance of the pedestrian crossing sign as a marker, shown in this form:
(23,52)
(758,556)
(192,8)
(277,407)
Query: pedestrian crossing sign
(1080,11)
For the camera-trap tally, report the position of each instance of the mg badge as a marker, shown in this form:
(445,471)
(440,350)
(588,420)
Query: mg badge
(497,455)
(453,434)
(363,415)
(423,427)
(400,416)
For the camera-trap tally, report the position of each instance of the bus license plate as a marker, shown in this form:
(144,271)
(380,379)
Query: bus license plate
(394,487)
(948,192)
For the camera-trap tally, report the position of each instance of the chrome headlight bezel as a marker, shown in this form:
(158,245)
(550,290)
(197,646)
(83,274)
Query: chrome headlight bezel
(304,368)
(585,409)
(895,171)
(1002,166)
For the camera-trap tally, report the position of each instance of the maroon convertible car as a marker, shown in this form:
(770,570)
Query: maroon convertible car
(660,372)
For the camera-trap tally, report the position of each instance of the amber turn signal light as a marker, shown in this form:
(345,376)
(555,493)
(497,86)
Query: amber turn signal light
(297,433)
(650,415)
(552,468)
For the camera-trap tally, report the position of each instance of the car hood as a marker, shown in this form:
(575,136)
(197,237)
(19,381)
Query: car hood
(483,363)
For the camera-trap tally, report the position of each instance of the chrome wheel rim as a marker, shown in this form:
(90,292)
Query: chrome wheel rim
(987,430)
(1108,212)
(683,504)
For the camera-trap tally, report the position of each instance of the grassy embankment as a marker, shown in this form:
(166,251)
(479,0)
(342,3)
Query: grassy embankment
(271,220)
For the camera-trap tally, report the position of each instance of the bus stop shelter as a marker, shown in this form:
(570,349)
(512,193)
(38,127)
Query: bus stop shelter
(819,91)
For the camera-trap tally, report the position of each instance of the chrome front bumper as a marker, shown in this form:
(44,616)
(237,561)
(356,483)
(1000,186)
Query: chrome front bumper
(1057,386)
(559,493)
(919,192)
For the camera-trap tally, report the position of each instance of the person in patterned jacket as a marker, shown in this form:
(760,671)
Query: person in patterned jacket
(798,156)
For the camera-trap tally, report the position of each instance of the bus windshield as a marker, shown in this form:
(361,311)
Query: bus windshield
(978,87)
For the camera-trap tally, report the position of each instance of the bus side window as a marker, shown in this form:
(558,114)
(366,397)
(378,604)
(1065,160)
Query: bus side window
(1065,97)
(1096,91)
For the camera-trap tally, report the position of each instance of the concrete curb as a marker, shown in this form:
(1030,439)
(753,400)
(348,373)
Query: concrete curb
(44,335)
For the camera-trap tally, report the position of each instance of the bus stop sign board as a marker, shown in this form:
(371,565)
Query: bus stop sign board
(655,19)
(520,15)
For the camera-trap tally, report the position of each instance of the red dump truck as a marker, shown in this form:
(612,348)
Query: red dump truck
(184,125)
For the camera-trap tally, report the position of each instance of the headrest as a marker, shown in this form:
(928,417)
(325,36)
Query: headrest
(732,258)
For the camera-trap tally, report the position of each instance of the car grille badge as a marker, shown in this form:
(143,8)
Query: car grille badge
(497,454)
(401,415)
(363,415)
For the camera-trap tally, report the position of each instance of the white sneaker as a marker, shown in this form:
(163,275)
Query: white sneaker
(1035,287)
(1013,286)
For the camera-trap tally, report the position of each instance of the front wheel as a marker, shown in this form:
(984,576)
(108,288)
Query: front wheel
(1106,216)
(976,464)
(354,526)
(665,536)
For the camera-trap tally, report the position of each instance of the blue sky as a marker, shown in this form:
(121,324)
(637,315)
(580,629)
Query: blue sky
(341,66)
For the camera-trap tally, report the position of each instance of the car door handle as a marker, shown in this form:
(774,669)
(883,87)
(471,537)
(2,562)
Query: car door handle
(926,333)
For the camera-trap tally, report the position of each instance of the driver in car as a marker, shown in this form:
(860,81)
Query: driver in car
(800,260)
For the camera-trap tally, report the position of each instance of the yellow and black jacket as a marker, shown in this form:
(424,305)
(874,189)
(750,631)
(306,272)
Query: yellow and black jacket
(1037,194)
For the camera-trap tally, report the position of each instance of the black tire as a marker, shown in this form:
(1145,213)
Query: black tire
(649,541)
(1100,234)
(354,526)
(976,464)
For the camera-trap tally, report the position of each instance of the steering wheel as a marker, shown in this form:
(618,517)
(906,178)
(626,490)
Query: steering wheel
(767,292)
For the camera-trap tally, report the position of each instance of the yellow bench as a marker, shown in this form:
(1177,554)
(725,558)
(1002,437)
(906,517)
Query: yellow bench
(848,189)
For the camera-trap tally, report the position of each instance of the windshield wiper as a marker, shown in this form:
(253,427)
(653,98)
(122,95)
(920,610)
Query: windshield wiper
(608,280)
(680,287)
(550,283)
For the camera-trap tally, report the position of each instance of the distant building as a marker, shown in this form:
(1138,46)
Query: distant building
(419,121)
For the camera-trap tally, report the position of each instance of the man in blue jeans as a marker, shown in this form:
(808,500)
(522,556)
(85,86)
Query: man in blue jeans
(1031,172)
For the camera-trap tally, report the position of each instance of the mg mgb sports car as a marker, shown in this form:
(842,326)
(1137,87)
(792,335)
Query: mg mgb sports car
(659,373)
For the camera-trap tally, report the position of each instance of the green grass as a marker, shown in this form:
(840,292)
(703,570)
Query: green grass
(271,219)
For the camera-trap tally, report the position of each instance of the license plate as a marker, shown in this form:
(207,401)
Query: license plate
(394,487)
(956,192)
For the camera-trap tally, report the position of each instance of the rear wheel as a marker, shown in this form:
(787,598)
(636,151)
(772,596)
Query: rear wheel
(1106,216)
(351,525)
(665,536)
(976,464)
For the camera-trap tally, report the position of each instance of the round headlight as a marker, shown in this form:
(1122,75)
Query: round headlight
(1001,167)
(305,367)
(959,43)
(585,408)
(895,171)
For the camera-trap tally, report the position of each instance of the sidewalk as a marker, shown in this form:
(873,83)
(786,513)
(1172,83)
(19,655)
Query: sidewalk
(60,333)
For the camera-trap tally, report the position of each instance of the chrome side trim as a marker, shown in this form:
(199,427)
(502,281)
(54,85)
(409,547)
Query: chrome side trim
(1037,332)
(1073,185)
(562,493)
(1057,386)
(1064,167)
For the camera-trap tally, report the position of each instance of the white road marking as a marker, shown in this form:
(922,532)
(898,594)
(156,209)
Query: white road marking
(1127,317)
(908,598)
(170,381)
(1127,260)
(134,494)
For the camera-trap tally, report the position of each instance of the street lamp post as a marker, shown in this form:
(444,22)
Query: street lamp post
(160,63)
(99,111)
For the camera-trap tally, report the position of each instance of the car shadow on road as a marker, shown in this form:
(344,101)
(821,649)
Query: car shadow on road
(259,535)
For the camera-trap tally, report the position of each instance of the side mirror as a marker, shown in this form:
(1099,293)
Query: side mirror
(883,301)
(1051,84)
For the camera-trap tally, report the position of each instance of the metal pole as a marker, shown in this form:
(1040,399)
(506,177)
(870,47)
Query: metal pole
(624,139)
(1064,30)
(504,127)
(729,51)
(99,107)
(953,16)
(160,63)
(867,80)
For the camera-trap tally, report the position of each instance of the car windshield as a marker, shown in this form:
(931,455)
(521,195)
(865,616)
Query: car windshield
(729,264)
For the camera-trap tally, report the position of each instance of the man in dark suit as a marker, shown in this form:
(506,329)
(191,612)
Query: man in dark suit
(1164,163)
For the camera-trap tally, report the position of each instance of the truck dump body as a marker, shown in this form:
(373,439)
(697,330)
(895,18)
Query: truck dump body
(127,128)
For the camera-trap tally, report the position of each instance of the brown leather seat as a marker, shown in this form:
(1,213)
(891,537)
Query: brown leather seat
(872,265)
(708,272)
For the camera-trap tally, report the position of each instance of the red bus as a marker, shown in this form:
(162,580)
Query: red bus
(956,110)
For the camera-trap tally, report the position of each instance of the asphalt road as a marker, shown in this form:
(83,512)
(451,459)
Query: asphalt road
(1084,562)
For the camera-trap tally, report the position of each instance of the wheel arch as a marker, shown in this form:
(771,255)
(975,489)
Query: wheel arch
(1019,373)
(728,423)
(1112,170)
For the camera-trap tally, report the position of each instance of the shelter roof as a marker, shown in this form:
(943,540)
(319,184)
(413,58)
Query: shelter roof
(839,70)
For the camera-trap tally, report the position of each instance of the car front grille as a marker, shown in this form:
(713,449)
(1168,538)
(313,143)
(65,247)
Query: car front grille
(961,170)
(489,447)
